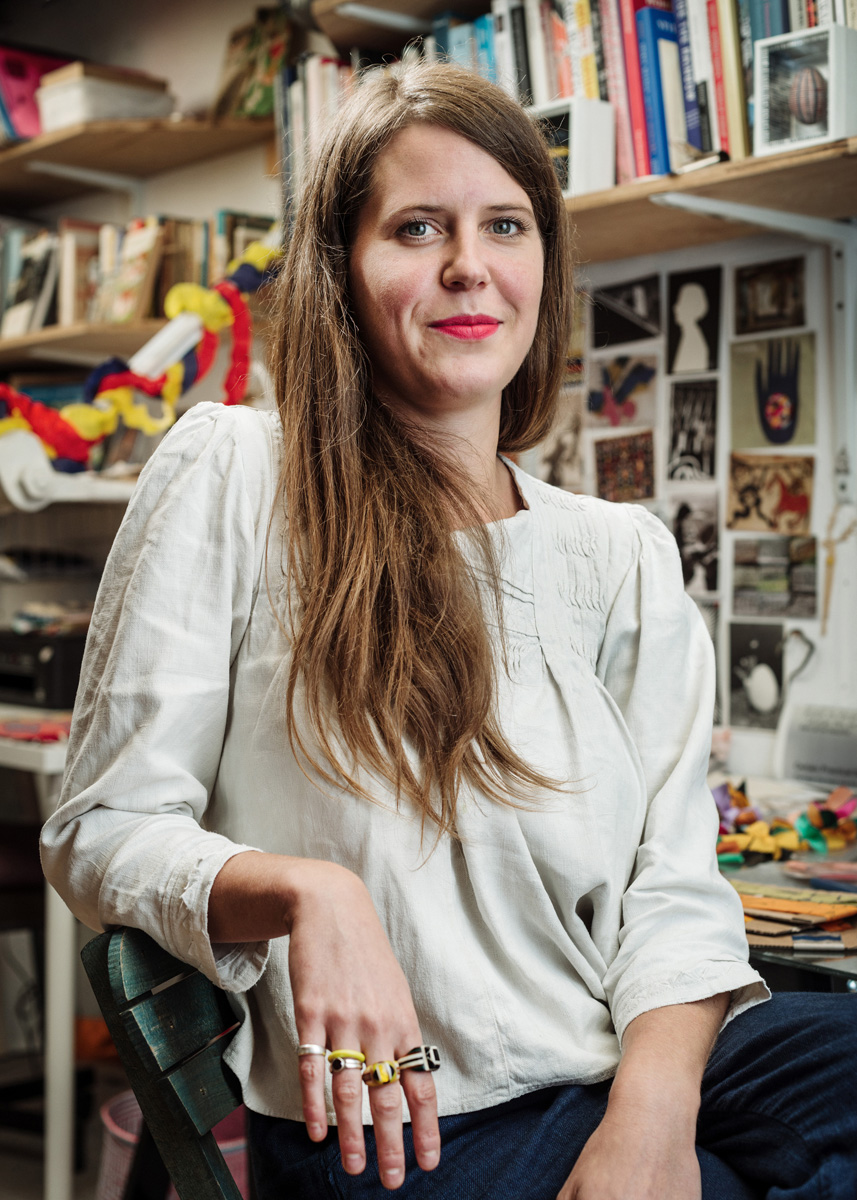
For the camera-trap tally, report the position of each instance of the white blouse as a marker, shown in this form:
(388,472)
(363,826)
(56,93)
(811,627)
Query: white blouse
(531,943)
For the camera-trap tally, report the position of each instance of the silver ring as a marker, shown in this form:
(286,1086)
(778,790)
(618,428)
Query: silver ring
(309,1048)
(343,1063)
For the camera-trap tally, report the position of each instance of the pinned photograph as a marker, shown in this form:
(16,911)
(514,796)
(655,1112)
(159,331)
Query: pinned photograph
(693,430)
(693,520)
(693,298)
(626,312)
(773,392)
(756,675)
(622,390)
(774,577)
(770,296)
(575,362)
(559,460)
(710,610)
(770,493)
(624,467)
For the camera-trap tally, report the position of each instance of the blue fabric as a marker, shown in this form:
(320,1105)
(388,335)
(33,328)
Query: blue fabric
(778,1120)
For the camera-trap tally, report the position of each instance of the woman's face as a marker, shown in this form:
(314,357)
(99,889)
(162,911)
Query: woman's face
(446,276)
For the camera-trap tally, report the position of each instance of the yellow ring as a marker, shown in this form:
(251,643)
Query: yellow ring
(379,1074)
(346,1054)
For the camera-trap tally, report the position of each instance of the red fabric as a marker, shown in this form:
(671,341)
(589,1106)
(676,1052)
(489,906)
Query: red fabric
(49,425)
(235,383)
(152,387)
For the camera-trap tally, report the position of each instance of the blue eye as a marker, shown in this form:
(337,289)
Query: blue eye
(416,229)
(505,225)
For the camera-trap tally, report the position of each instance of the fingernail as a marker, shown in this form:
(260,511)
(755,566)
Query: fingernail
(394,1178)
(353,1162)
(430,1159)
(316,1132)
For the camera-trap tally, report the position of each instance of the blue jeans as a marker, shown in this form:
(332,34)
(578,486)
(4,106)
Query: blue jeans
(778,1120)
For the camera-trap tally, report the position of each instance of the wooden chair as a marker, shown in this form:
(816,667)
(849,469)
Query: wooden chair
(170,1026)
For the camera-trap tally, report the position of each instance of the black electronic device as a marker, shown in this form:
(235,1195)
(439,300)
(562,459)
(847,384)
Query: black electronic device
(40,669)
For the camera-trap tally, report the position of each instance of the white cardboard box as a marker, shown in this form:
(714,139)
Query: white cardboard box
(805,89)
(584,133)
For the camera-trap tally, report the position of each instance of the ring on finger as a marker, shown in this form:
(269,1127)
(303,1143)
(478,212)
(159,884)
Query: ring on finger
(380,1073)
(343,1060)
(421,1058)
(307,1048)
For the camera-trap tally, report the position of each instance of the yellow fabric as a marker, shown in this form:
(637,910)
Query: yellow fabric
(209,306)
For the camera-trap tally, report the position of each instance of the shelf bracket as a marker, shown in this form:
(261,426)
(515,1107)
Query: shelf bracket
(108,180)
(841,239)
(386,19)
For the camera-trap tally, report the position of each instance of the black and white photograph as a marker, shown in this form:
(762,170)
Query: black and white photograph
(693,521)
(626,312)
(693,430)
(693,337)
(559,459)
(769,296)
(755,675)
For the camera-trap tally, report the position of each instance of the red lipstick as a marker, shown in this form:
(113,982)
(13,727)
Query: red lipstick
(469,327)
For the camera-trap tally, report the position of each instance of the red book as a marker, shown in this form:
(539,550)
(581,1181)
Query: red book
(21,72)
(636,103)
(617,89)
(717,68)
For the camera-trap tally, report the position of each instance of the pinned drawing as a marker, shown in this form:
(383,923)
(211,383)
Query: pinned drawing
(694,321)
(756,675)
(773,392)
(770,493)
(622,391)
(769,296)
(693,430)
(626,312)
(624,467)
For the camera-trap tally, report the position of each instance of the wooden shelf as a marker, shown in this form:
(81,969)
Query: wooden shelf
(623,222)
(88,345)
(347,31)
(137,148)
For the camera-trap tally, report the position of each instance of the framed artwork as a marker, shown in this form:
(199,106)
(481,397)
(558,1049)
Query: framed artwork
(774,577)
(693,520)
(624,467)
(770,296)
(693,336)
(693,430)
(755,675)
(773,392)
(770,493)
(622,390)
(626,312)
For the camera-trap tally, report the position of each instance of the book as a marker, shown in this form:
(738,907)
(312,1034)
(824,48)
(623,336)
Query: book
(662,90)
(558,48)
(30,295)
(578,16)
(636,102)
(617,89)
(461,48)
(598,42)
(441,28)
(504,50)
(521,51)
(78,269)
(185,251)
(688,81)
(125,294)
(733,80)
(233,232)
(485,55)
(536,53)
(21,73)
(745,38)
(717,75)
(768,18)
(703,74)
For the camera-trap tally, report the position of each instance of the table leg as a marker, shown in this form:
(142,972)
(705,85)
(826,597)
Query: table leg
(60,973)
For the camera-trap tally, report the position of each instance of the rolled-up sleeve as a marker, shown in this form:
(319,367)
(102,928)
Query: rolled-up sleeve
(682,935)
(127,845)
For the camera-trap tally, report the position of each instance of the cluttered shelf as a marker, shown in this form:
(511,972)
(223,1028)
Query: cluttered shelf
(384,25)
(138,148)
(85,343)
(623,221)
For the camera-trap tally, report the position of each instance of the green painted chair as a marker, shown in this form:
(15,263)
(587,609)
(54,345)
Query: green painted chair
(170,1026)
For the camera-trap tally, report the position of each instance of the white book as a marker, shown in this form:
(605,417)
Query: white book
(504,50)
(797,15)
(825,12)
(536,52)
(703,68)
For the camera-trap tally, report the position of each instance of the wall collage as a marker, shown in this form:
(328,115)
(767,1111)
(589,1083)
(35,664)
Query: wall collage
(648,359)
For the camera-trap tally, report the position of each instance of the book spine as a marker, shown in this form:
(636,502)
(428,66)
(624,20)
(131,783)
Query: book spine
(656,124)
(521,48)
(617,89)
(440,28)
(688,83)
(825,12)
(700,46)
(550,56)
(578,17)
(536,52)
(504,51)
(717,70)
(745,39)
(486,59)
(635,87)
(797,15)
(838,12)
(598,46)
(461,49)
(733,81)
(561,55)
(811,13)
(851,13)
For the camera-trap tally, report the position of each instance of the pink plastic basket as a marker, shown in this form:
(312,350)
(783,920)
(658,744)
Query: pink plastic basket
(121,1121)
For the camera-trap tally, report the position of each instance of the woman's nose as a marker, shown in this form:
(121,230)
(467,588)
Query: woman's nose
(466,266)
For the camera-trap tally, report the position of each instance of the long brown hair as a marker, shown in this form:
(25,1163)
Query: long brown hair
(389,641)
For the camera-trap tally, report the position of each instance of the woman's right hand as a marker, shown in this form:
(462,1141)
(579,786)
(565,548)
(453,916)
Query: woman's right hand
(349,993)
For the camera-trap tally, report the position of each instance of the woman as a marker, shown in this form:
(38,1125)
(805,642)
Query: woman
(356,680)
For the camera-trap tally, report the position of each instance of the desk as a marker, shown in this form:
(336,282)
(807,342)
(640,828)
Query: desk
(46,762)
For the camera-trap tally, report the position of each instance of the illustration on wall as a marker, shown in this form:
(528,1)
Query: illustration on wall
(693,430)
(769,296)
(693,299)
(624,467)
(756,675)
(770,493)
(774,577)
(626,312)
(693,520)
(622,390)
(560,462)
(773,392)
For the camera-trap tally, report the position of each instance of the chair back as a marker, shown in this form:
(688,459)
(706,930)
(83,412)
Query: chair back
(170,1026)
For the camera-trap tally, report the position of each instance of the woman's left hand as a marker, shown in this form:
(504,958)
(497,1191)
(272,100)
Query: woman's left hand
(638,1153)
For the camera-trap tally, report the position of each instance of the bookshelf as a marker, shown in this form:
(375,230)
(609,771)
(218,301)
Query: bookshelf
(88,344)
(136,148)
(362,25)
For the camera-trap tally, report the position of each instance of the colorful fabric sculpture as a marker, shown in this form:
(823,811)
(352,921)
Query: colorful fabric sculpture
(70,434)
(824,826)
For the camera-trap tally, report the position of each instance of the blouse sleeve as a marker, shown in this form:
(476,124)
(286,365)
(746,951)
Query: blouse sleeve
(682,935)
(126,846)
